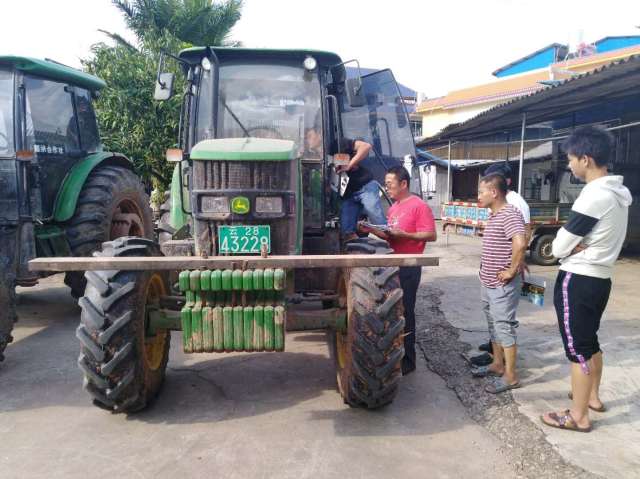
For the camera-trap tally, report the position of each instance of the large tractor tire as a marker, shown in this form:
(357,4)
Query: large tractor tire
(123,365)
(541,250)
(368,354)
(7,307)
(112,204)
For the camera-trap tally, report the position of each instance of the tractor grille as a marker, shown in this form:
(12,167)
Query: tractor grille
(238,175)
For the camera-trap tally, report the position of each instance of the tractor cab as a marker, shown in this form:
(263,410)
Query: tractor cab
(47,120)
(259,128)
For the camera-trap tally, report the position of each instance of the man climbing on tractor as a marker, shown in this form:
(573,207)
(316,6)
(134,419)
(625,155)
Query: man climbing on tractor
(362,192)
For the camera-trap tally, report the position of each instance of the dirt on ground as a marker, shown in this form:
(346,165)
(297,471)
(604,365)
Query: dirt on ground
(524,444)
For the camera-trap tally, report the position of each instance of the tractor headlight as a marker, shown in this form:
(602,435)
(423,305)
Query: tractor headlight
(269,204)
(215,204)
(310,63)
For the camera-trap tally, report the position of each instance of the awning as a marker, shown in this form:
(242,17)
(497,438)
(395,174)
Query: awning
(610,82)
(426,158)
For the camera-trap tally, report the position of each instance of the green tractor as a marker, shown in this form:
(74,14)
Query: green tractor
(250,218)
(60,193)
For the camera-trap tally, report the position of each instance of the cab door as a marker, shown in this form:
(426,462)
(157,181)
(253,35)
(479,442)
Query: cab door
(383,122)
(8,170)
(52,134)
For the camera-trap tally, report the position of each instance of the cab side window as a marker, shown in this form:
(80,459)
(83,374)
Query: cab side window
(6,113)
(88,125)
(52,128)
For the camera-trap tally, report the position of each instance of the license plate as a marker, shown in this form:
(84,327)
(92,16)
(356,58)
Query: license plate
(243,239)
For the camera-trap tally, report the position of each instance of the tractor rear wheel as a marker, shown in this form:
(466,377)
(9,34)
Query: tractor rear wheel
(123,365)
(112,204)
(7,307)
(369,352)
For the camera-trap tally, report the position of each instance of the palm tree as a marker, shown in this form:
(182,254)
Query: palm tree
(197,22)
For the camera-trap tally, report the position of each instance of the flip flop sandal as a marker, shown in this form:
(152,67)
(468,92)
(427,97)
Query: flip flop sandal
(602,408)
(501,386)
(483,372)
(565,421)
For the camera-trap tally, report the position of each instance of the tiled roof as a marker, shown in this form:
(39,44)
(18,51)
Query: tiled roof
(524,84)
(497,90)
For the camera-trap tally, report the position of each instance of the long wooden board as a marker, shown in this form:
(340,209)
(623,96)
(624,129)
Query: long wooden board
(145,263)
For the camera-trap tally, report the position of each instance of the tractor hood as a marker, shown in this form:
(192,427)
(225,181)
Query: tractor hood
(239,149)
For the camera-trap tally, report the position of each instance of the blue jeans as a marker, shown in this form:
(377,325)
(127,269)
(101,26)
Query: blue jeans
(366,198)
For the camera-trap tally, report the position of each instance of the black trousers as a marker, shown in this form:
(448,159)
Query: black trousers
(580,302)
(409,282)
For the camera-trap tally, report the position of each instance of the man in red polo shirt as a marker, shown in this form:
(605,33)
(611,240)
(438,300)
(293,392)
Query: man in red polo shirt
(410,225)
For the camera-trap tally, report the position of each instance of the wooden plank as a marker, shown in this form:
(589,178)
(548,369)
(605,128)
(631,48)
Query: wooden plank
(145,263)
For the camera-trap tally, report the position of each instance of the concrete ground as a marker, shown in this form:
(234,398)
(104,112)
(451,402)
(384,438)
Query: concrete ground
(612,450)
(242,415)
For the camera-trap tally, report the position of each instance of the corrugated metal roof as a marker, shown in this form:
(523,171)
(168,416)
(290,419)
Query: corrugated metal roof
(614,80)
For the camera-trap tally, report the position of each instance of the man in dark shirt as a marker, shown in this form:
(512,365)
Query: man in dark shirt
(362,192)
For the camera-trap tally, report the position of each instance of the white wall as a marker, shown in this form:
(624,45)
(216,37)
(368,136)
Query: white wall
(434,122)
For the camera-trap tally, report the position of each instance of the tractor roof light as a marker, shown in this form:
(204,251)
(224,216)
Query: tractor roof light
(310,63)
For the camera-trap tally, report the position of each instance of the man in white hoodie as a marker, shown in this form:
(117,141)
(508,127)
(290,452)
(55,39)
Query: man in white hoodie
(587,245)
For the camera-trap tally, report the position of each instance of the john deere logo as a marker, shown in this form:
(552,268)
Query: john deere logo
(240,205)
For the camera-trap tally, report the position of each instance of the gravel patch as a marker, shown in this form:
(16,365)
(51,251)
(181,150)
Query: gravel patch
(523,443)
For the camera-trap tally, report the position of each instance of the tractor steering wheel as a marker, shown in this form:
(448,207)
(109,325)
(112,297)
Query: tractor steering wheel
(265,132)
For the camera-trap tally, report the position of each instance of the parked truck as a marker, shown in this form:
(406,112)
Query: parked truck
(467,218)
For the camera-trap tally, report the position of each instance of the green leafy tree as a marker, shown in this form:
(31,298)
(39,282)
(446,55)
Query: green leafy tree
(198,22)
(131,121)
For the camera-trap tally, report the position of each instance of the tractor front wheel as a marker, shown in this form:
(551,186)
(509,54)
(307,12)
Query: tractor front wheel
(369,349)
(123,364)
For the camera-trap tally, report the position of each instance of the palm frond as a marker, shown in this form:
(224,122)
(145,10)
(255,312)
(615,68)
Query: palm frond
(124,7)
(119,40)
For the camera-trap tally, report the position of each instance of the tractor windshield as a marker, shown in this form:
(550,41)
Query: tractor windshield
(260,100)
(6,113)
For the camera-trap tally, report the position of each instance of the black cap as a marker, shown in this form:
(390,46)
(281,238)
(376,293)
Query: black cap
(501,168)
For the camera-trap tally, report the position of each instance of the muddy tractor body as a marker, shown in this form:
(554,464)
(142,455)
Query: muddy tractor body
(60,193)
(249,239)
